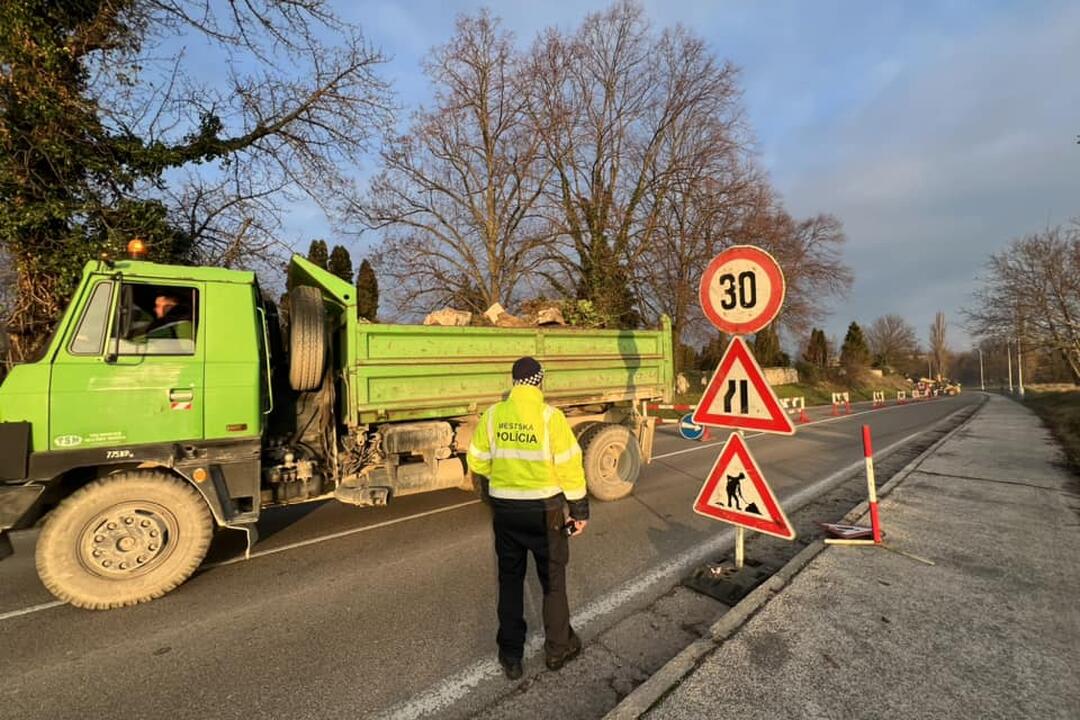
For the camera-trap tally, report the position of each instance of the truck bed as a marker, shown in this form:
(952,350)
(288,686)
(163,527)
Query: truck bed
(412,372)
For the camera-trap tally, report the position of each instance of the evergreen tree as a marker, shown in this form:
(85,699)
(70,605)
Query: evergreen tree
(713,352)
(340,263)
(854,353)
(605,282)
(767,347)
(317,253)
(367,292)
(817,349)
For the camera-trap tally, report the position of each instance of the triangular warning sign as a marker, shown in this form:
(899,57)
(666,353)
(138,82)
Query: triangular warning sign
(738,396)
(736,492)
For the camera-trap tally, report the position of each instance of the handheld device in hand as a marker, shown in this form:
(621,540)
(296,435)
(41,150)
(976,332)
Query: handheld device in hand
(568,528)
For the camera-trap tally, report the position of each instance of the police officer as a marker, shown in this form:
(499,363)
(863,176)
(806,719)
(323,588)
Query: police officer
(532,462)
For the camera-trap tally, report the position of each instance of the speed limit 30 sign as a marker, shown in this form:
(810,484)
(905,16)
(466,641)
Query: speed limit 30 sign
(742,290)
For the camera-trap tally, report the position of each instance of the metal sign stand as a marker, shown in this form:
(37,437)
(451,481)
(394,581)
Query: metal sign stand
(740,539)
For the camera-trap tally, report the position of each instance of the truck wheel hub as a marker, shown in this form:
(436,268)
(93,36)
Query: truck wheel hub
(609,460)
(127,539)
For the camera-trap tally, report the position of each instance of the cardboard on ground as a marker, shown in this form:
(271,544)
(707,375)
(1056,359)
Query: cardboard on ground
(737,385)
(736,492)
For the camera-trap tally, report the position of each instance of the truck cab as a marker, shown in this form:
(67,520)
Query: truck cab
(155,370)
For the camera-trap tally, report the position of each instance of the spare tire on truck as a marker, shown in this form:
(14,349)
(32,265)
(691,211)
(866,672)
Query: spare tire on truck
(124,539)
(307,338)
(612,461)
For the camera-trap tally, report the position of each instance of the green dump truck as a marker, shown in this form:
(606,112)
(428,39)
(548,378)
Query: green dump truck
(171,401)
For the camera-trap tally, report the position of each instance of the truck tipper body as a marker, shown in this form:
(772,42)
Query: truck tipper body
(173,401)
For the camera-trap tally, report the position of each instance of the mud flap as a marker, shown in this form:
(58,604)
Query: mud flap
(252,534)
(646,433)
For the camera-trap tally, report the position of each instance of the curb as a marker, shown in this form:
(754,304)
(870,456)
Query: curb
(644,696)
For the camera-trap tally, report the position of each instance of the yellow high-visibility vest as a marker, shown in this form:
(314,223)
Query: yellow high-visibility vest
(527,450)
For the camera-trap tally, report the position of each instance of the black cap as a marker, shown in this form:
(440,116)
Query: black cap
(527,371)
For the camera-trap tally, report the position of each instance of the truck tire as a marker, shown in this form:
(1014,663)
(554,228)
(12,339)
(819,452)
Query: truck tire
(582,429)
(124,539)
(612,461)
(307,338)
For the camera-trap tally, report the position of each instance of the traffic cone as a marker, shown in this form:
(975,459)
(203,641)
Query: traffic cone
(803,417)
(847,407)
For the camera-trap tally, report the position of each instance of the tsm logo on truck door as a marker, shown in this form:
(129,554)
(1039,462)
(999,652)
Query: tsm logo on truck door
(67,441)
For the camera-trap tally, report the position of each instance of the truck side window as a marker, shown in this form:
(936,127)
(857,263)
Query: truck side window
(90,333)
(156,320)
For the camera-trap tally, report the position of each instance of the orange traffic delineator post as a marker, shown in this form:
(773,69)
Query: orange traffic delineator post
(803,417)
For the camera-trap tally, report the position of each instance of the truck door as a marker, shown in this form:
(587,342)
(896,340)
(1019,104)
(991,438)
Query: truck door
(139,382)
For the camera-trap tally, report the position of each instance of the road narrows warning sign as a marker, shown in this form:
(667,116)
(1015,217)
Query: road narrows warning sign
(739,397)
(736,492)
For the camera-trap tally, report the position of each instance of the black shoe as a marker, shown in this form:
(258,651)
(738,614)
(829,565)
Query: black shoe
(512,668)
(555,662)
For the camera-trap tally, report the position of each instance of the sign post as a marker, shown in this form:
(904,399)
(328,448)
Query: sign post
(741,292)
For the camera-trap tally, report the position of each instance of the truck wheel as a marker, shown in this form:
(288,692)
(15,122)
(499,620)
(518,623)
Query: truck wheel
(612,461)
(307,338)
(124,539)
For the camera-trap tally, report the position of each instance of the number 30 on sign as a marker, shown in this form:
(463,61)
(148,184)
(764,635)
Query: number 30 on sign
(742,289)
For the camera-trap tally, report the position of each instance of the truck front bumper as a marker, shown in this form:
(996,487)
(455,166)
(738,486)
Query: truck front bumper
(15,504)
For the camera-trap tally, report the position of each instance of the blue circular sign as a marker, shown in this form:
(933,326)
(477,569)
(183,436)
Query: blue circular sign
(688,430)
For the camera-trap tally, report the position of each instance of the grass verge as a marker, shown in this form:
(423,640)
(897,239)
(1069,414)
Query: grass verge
(1061,413)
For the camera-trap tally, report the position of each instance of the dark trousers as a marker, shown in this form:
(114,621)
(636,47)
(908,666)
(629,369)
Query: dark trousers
(521,527)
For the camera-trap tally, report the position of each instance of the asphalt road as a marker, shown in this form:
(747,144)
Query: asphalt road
(348,612)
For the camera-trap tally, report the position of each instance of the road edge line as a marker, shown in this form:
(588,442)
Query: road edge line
(642,698)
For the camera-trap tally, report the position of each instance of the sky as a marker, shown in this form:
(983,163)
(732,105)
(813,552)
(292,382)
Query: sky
(935,131)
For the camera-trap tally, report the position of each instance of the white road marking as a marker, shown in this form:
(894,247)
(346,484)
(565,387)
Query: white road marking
(455,687)
(335,536)
(345,533)
(32,609)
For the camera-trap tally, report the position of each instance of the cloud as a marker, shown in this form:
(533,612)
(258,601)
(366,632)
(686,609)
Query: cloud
(963,147)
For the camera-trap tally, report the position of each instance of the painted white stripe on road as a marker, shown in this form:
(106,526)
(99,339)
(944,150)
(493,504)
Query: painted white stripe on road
(32,609)
(335,536)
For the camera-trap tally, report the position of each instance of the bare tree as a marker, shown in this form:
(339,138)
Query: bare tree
(1031,291)
(892,339)
(456,195)
(608,101)
(809,251)
(709,185)
(939,347)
